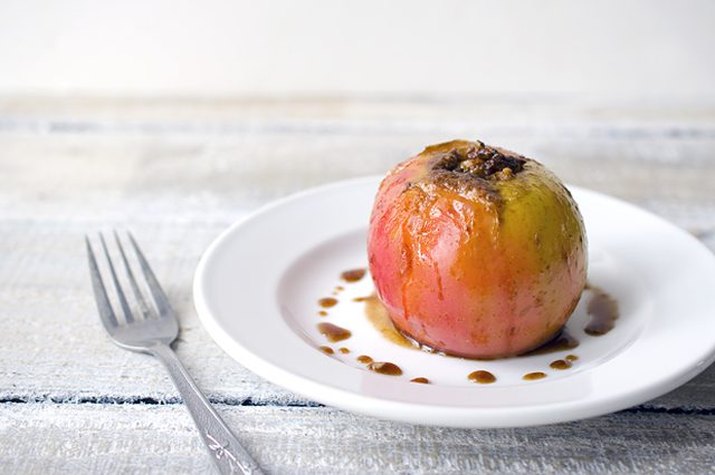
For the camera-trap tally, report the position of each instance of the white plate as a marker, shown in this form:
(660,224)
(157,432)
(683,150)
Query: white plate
(256,290)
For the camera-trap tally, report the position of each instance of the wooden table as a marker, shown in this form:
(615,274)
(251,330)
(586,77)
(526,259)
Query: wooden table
(177,172)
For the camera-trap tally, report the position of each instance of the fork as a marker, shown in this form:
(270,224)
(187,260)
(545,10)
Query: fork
(152,329)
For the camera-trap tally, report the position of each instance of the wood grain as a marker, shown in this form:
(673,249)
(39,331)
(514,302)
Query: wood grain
(177,172)
(92,438)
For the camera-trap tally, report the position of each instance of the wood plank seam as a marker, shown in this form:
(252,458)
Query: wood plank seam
(251,402)
(342,126)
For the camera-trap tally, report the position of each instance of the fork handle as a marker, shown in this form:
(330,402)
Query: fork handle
(226,451)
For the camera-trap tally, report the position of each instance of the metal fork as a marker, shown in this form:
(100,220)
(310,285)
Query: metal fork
(151,330)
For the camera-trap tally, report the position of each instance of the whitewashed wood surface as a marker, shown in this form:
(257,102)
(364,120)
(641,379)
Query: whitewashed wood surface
(177,172)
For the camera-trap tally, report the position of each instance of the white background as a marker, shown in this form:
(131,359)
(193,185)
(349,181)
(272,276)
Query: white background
(654,49)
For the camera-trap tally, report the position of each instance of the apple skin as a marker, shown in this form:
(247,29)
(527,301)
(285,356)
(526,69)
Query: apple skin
(474,264)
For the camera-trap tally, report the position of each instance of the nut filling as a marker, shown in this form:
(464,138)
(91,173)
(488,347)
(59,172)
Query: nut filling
(481,161)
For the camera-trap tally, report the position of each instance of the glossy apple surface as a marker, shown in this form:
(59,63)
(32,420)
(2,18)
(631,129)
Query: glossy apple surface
(476,251)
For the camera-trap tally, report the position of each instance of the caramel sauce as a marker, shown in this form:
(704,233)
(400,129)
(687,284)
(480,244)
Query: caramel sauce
(323,313)
(328,302)
(377,315)
(561,364)
(385,367)
(481,377)
(563,341)
(326,349)
(333,333)
(603,310)
(353,275)
(339,288)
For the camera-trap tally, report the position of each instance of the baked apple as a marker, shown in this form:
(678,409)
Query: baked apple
(476,251)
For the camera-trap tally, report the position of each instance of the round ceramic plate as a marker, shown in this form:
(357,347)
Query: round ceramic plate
(258,285)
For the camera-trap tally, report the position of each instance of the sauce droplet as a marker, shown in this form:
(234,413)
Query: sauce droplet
(603,310)
(560,364)
(420,380)
(323,313)
(571,357)
(327,350)
(327,302)
(333,332)
(339,288)
(353,275)
(563,341)
(361,299)
(482,377)
(344,350)
(364,359)
(385,367)
(534,376)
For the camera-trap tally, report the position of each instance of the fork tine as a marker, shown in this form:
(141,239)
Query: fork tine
(146,311)
(120,293)
(162,303)
(100,293)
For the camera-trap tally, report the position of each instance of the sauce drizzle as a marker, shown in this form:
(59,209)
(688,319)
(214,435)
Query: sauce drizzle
(482,377)
(378,316)
(353,275)
(563,341)
(333,333)
(385,367)
(328,302)
(560,364)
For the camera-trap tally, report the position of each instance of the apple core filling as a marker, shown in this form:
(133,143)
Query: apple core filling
(480,161)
